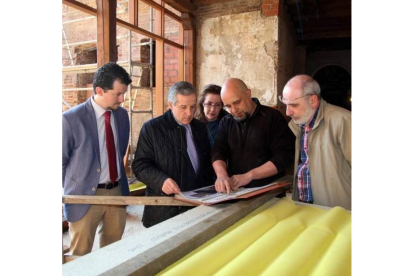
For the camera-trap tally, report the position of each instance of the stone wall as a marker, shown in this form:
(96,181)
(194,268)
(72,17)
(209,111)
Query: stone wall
(238,45)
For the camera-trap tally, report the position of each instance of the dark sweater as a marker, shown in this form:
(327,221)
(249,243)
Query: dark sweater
(264,136)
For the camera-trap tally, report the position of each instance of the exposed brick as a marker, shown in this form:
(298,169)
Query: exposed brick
(172,73)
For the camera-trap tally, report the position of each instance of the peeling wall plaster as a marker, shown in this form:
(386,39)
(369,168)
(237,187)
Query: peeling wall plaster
(240,46)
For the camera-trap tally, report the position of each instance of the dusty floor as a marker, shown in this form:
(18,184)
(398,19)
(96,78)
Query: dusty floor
(133,225)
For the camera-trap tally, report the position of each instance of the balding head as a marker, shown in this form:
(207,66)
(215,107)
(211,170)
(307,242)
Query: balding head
(301,95)
(237,99)
(305,84)
(233,85)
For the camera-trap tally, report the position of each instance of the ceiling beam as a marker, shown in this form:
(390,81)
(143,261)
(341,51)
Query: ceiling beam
(326,34)
(183,6)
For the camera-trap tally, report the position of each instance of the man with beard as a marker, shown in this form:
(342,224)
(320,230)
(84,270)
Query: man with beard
(95,139)
(254,144)
(323,145)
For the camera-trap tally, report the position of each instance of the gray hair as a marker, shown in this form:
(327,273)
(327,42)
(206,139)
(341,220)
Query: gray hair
(182,88)
(311,87)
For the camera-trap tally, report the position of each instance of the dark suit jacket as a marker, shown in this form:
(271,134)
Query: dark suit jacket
(81,166)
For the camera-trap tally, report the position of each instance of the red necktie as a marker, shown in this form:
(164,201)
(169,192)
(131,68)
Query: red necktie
(110,147)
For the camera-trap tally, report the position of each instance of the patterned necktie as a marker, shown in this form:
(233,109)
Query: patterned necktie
(191,150)
(110,147)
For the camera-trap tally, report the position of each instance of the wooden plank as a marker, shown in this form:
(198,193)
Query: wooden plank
(123,200)
(68,258)
(182,5)
(106,31)
(119,22)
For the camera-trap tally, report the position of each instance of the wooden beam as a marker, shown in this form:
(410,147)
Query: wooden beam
(68,258)
(123,200)
(188,21)
(106,31)
(327,34)
(79,6)
(189,47)
(159,78)
(182,5)
(180,53)
(133,12)
(119,22)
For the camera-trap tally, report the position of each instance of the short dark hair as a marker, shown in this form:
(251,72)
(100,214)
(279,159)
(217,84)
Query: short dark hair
(208,89)
(108,74)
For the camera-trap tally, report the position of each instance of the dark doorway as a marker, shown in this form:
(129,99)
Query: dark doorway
(335,84)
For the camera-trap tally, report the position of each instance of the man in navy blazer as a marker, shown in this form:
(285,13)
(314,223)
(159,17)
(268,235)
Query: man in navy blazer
(86,160)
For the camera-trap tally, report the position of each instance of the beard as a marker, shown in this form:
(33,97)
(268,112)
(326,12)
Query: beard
(242,118)
(306,117)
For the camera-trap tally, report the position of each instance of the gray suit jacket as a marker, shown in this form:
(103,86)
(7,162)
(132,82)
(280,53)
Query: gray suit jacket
(81,166)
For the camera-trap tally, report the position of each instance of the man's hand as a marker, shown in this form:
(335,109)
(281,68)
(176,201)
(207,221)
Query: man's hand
(239,180)
(223,185)
(170,187)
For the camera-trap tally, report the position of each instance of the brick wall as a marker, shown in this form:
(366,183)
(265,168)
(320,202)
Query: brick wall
(270,7)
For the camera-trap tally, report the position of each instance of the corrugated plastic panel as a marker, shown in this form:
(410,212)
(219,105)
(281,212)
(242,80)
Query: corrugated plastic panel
(284,239)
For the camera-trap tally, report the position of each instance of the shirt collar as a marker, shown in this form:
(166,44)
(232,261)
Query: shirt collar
(99,110)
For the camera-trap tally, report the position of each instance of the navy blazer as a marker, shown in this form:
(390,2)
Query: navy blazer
(81,163)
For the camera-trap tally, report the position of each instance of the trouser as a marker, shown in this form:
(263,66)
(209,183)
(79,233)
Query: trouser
(111,220)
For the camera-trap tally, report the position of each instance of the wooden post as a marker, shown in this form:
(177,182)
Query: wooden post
(180,53)
(133,12)
(189,47)
(106,31)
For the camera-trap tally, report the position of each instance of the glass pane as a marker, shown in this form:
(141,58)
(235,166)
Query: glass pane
(172,30)
(122,10)
(79,33)
(168,7)
(171,68)
(145,16)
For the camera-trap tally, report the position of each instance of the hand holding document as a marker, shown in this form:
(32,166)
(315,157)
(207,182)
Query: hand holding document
(208,195)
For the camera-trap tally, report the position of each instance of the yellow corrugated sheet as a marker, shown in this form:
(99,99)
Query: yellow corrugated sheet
(284,239)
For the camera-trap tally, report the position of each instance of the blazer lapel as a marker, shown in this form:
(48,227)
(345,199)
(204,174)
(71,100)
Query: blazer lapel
(91,127)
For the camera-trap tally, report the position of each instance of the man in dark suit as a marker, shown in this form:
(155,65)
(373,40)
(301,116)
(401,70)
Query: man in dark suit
(95,139)
(173,153)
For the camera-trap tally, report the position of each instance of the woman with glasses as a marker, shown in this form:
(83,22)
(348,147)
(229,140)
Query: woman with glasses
(210,110)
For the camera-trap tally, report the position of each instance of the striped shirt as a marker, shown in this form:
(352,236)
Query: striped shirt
(303,171)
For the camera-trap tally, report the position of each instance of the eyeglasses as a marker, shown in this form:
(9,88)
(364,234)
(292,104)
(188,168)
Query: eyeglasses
(211,105)
(287,101)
